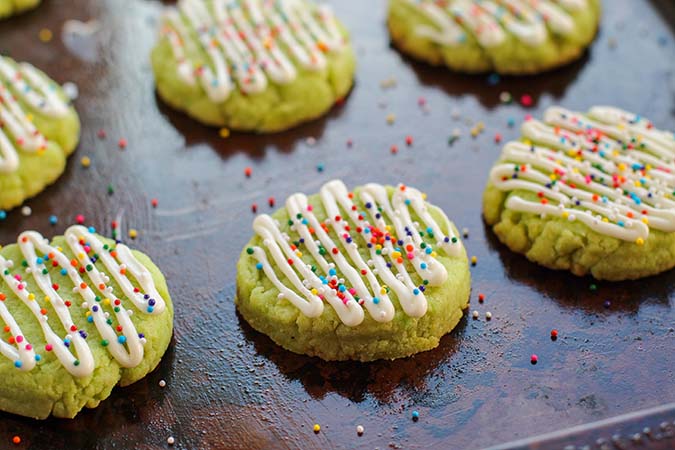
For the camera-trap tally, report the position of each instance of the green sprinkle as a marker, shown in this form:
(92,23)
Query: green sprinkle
(104,342)
(249,251)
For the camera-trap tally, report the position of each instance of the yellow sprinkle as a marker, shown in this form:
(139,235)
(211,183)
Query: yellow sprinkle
(378,247)
(299,253)
(45,35)
(639,241)
(224,133)
(648,167)
(391,118)
(605,219)
(314,291)
(434,254)
(133,233)
(387,227)
(85,161)
(622,167)
(31,296)
(59,249)
(424,195)
(80,255)
(474,260)
(645,221)
(88,313)
(317,428)
(48,299)
(396,255)
(553,177)
(29,117)
(106,301)
(565,214)
(383,291)
(527,142)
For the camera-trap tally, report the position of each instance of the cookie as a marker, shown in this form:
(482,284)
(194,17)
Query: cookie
(503,36)
(252,65)
(377,273)
(11,7)
(81,315)
(590,193)
(38,130)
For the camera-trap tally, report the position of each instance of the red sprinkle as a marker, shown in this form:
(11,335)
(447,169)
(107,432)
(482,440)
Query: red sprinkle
(498,138)
(409,140)
(154,202)
(526,100)
(101,134)
(534,359)
(481,298)
(393,149)
(254,208)
(79,219)
(122,143)
(271,202)
(248,171)
(554,335)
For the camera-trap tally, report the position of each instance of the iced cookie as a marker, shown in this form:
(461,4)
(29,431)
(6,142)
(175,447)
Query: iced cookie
(12,7)
(38,130)
(252,65)
(80,315)
(591,193)
(369,274)
(504,36)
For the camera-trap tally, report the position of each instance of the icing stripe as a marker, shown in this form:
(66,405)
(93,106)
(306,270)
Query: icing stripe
(341,275)
(248,42)
(611,170)
(16,129)
(489,21)
(72,350)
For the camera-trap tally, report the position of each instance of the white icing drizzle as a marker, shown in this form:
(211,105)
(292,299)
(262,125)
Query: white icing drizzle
(248,42)
(489,21)
(343,278)
(611,170)
(40,256)
(16,129)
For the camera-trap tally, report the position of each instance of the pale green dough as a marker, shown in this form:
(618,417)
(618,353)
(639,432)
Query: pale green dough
(278,107)
(326,336)
(11,7)
(48,389)
(510,57)
(38,170)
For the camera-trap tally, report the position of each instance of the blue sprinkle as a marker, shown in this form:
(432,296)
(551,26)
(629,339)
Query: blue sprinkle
(259,266)
(376,300)
(342,288)
(90,319)
(53,220)
(3,214)
(64,272)
(415,416)
(332,272)
(150,309)
(121,339)
(18,364)
(428,250)
(493,79)
(92,230)
(38,357)
(407,201)
(39,261)
(423,266)
(416,291)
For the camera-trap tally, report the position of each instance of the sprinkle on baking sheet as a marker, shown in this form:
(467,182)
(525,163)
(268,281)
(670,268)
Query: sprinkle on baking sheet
(16,440)
(554,334)
(122,143)
(45,35)
(359,430)
(248,171)
(53,220)
(316,428)
(534,359)
(415,416)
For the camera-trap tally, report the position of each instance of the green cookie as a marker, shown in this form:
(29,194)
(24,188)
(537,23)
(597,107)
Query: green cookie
(250,65)
(503,36)
(38,130)
(11,7)
(373,274)
(591,193)
(81,315)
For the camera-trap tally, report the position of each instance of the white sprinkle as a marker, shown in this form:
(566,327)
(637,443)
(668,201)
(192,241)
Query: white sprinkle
(474,315)
(465,232)
(170,440)
(71,90)
(310,141)
(26,211)
(488,315)
(359,430)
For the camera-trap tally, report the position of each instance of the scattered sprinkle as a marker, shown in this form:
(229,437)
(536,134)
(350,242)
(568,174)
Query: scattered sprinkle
(3,214)
(254,208)
(316,428)
(85,161)
(162,383)
(133,234)
(154,202)
(45,35)
(391,118)
(122,143)
(465,232)
(224,133)
(554,335)
(248,171)
(526,100)
(488,315)
(415,416)
(393,149)
(319,168)
(170,440)
(409,140)
(79,219)
(505,97)
(16,440)
(311,141)
(474,260)
(534,359)
(53,220)
(481,298)
(359,430)
(101,134)
(26,211)
(271,202)
(475,315)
